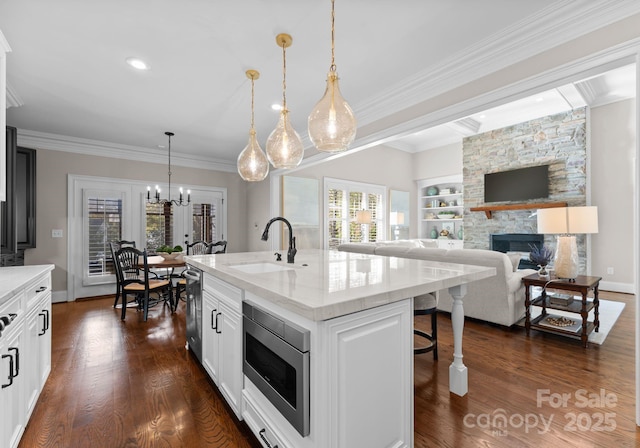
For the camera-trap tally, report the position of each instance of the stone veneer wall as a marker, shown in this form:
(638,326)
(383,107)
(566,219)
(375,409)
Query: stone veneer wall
(557,140)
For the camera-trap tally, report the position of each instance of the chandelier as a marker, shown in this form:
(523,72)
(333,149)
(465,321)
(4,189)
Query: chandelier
(253,165)
(331,124)
(156,199)
(284,147)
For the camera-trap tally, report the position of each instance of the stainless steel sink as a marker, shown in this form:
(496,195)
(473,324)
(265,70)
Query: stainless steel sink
(261,267)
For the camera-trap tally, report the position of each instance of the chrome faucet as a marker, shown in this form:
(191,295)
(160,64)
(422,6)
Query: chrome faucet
(291,253)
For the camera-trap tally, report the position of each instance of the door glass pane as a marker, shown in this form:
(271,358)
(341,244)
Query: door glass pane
(204,223)
(104,225)
(159,230)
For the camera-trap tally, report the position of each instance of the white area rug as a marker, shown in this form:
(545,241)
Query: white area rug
(609,311)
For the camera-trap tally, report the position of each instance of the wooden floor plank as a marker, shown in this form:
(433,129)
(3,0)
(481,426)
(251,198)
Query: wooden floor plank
(132,384)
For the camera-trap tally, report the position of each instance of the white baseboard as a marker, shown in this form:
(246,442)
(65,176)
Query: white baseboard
(626,288)
(59,297)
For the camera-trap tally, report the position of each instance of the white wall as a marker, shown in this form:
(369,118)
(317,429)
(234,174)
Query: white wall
(613,134)
(437,162)
(378,165)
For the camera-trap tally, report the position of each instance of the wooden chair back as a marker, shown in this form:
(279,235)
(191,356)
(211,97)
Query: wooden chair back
(197,248)
(219,247)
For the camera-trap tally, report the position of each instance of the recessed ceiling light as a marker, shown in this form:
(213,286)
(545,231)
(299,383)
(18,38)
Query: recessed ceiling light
(137,63)
(277,107)
(539,99)
(482,116)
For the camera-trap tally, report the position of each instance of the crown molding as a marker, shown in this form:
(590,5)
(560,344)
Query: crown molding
(13,99)
(562,21)
(54,142)
(4,45)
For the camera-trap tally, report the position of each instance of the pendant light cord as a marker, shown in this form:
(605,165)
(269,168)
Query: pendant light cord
(284,77)
(252,83)
(333,32)
(169,193)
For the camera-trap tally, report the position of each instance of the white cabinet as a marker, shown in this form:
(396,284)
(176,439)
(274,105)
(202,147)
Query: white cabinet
(441,210)
(361,382)
(25,346)
(13,384)
(222,338)
(38,358)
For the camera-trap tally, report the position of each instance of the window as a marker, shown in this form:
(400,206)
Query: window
(105,225)
(343,200)
(159,230)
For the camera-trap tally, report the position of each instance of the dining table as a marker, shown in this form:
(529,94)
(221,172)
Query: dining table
(157,262)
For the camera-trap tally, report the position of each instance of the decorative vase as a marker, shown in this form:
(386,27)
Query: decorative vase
(542,271)
(434,233)
(432,191)
(460,234)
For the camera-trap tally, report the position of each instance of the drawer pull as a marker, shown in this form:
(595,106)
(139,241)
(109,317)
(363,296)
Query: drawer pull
(264,439)
(40,289)
(10,371)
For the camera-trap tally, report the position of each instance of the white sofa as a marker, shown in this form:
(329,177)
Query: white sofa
(498,299)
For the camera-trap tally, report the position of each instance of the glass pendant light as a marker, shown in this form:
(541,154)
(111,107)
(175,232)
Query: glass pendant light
(284,147)
(331,124)
(253,165)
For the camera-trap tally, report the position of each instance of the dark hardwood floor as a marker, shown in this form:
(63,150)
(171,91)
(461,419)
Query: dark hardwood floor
(132,384)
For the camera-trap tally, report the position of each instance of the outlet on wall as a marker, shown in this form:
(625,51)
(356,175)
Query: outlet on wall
(56,233)
(610,271)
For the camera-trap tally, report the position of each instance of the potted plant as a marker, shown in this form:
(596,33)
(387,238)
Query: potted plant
(168,252)
(541,256)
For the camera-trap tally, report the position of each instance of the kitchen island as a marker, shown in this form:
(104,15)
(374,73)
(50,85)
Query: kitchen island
(358,310)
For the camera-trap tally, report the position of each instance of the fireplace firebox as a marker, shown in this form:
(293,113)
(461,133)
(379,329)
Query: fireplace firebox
(517,242)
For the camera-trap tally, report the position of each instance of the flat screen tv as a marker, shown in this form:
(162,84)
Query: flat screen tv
(522,184)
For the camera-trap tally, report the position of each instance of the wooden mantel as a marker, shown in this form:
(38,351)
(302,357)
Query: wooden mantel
(488,209)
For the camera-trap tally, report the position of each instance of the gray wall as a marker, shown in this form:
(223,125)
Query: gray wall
(51,202)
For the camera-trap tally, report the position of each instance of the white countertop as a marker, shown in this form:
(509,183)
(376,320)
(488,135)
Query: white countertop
(13,278)
(325,284)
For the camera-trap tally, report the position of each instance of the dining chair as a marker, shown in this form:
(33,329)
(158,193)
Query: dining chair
(116,246)
(197,248)
(127,259)
(219,247)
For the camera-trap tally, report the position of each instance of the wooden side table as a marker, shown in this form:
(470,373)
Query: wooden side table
(582,284)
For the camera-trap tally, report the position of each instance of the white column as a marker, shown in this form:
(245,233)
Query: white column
(458,382)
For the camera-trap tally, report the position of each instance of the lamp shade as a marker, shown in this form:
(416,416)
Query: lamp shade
(363,217)
(568,220)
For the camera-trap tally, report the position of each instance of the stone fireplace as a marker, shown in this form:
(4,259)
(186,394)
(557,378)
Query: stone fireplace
(557,140)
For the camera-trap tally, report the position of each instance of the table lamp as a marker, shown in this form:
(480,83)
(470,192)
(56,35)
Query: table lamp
(566,222)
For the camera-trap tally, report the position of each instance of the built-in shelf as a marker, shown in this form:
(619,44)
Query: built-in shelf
(489,209)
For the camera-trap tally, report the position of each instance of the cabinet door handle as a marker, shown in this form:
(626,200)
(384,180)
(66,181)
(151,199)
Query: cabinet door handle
(217,330)
(17,361)
(264,439)
(47,316)
(214,326)
(40,289)
(44,323)
(10,377)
